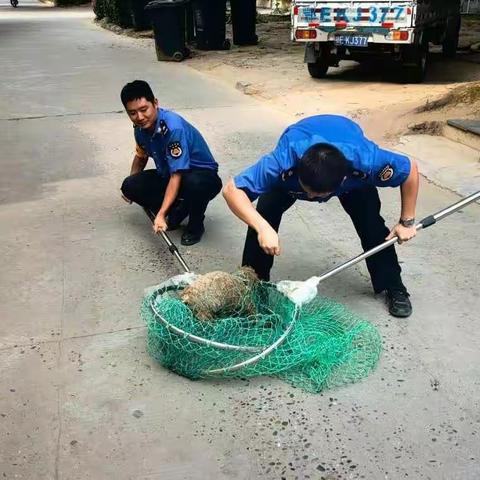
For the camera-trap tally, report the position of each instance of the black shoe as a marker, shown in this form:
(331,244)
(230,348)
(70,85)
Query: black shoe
(177,215)
(399,304)
(191,238)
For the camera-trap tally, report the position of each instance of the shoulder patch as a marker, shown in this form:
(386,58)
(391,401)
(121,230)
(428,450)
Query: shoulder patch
(162,128)
(286,174)
(359,175)
(386,174)
(175,149)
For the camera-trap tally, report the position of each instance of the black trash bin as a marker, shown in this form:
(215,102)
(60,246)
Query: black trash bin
(210,24)
(244,19)
(190,23)
(141,20)
(169,28)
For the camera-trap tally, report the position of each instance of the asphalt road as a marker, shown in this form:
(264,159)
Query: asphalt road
(79,396)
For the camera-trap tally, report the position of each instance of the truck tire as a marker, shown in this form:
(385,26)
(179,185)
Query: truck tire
(416,68)
(319,68)
(450,42)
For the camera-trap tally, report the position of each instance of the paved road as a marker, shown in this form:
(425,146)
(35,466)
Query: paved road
(79,397)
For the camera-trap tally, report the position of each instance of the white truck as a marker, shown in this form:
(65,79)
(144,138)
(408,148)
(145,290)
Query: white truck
(362,30)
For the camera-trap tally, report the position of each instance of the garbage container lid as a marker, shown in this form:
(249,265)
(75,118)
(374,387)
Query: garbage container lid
(165,3)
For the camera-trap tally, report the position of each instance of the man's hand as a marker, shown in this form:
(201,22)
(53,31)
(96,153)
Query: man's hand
(268,241)
(126,199)
(404,234)
(160,223)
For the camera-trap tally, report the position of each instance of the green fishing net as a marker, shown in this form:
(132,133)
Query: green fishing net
(258,331)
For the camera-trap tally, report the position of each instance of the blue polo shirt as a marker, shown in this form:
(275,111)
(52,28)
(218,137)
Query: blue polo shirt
(175,145)
(369,164)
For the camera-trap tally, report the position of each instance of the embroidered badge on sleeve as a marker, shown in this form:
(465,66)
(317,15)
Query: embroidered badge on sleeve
(386,174)
(175,149)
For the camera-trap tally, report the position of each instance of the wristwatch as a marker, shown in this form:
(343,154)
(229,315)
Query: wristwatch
(407,222)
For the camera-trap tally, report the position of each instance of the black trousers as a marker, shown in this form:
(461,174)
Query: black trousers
(198,188)
(363,206)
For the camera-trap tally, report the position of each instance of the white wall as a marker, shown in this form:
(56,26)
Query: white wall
(283,4)
(470,6)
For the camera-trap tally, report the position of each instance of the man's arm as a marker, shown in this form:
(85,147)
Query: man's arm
(243,208)
(138,165)
(409,193)
(257,179)
(171,193)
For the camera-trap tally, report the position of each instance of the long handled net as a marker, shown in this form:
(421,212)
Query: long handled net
(232,325)
(250,328)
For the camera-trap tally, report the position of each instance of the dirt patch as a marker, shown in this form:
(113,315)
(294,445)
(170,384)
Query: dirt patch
(426,128)
(372,94)
(428,118)
(431,117)
(468,95)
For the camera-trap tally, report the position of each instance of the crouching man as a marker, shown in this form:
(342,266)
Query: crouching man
(186,177)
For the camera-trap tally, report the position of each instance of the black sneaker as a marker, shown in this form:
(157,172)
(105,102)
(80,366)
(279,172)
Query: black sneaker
(191,238)
(177,215)
(399,304)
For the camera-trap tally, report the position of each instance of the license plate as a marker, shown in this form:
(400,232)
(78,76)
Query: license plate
(351,40)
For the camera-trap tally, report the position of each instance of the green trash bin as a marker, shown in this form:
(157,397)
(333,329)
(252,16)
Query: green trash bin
(169,28)
(244,21)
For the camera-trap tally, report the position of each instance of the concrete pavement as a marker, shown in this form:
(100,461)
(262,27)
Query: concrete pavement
(79,397)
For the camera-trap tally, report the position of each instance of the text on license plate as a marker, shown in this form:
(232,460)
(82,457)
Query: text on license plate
(351,40)
(374,14)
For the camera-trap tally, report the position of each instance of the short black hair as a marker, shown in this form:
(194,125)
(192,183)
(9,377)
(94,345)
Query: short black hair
(322,168)
(136,90)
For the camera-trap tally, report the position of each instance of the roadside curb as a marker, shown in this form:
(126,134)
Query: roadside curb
(444,162)
(129,32)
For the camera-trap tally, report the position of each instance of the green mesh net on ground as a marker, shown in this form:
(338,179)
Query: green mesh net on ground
(259,332)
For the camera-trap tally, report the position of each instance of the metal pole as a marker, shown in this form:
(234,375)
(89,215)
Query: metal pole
(426,222)
(171,246)
(173,249)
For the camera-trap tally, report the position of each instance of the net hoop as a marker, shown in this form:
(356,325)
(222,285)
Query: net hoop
(261,352)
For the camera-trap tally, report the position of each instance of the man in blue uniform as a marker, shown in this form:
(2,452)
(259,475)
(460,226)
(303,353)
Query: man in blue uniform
(316,159)
(186,175)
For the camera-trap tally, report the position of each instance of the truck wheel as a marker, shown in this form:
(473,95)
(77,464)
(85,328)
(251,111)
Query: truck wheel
(319,68)
(415,70)
(450,42)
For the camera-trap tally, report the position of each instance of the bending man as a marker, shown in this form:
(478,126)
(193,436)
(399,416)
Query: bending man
(316,159)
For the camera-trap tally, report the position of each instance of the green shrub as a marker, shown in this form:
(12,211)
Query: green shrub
(119,12)
(99,8)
